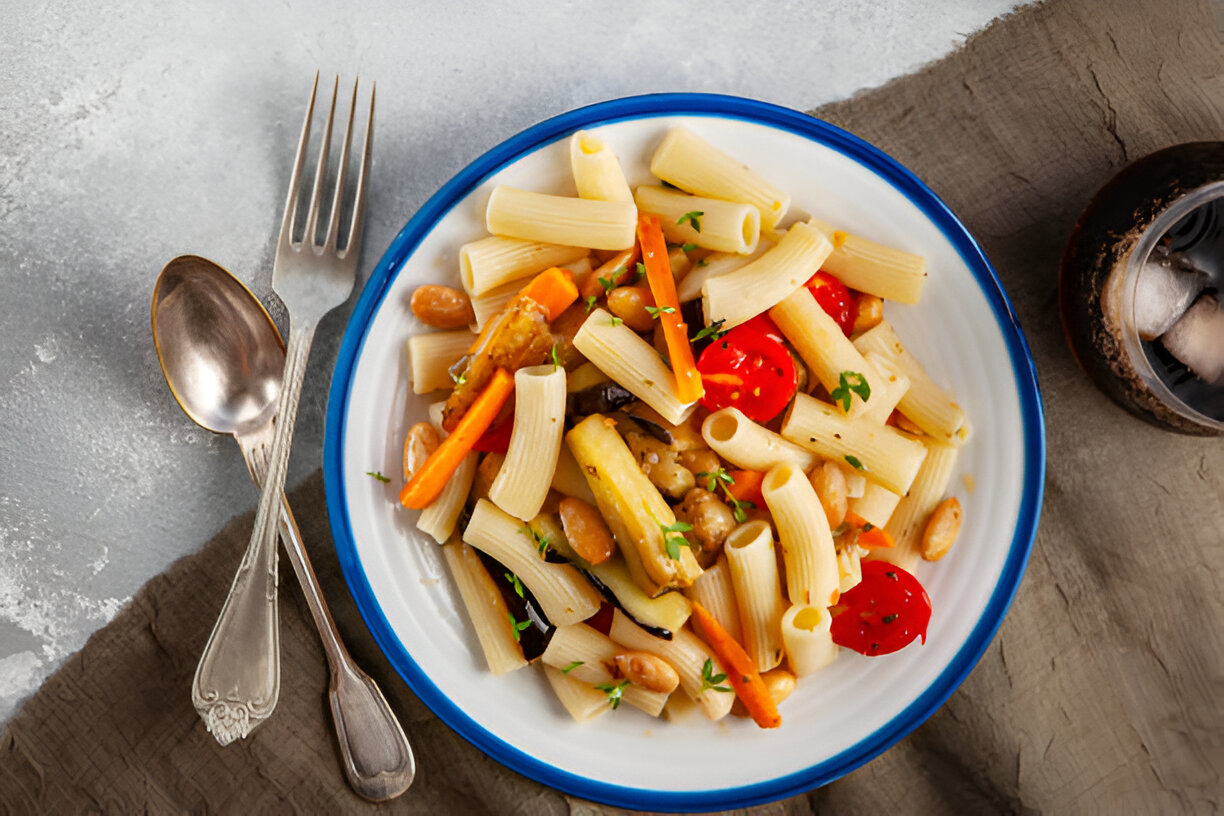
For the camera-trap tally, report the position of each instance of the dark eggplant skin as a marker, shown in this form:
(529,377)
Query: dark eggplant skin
(603,398)
(1100,245)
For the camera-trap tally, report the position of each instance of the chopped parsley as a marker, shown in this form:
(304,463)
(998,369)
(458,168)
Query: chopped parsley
(655,311)
(855,463)
(615,321)
(459,380)
(590,303)
(673,537)
(615,692)
(693,217)
(712,331)
(515,582)
(710,680)
(553,354)
(541,542)
(517,626)
(850,381)
(641,271)
(377,475)
(721,478)
(689,247)
(572,666)
(608,285)
(713,480)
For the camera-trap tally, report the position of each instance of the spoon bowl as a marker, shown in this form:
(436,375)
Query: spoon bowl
(218,347)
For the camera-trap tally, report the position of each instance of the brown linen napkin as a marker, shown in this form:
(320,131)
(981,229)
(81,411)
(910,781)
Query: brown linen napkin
(1101,691)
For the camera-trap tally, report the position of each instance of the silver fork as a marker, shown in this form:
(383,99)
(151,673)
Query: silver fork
(311,280)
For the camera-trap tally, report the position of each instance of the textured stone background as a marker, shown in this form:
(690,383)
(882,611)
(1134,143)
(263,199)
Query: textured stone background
(132,132)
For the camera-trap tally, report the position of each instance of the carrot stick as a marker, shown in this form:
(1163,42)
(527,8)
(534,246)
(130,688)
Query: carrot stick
(742,675)
(747,486)
(870,536)
(431,477)
(663,286)
(619,269)
(553,289)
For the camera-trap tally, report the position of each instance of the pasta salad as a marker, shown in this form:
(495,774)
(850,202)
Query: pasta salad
(682,459)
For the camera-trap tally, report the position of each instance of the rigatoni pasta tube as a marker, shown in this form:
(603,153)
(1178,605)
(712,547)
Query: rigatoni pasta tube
(634,510)
(686,653)
(829,354)
(743,294)
(715,591)
(807,639)
(564,595)
(909,519)
(586,655)
(869,267)
(711,223)
(876,505)
(439,518)
(552,219)
(926,404)
(883,454)
(758,593)
(715,264)
(597,171)
(485,607)
(748,445)
(583,701)
(803,532)
(633,363)
(431,356)
(531,458)
(887,390)
(495,261)
(689,162)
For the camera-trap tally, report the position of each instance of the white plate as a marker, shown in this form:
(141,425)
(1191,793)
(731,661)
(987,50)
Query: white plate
(964,331)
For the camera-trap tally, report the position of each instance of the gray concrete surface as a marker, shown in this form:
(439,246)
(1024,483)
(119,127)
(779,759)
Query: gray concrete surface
(132,132)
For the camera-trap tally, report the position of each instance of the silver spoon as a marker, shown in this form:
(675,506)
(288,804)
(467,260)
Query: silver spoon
(223,358)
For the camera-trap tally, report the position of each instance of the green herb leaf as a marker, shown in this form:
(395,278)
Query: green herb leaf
(689,247)
(855,463)
(515,582)
(377,475)
(615,321)
(715,478)
(517,626)
(607,285)
(641,271)
(712,331)
(710,680)
(738,508)
(655,311)
(673,538)
(553,354)
(459,380)
(590,303)
(572,666)
(847,382)
(615,692)
(868,526)
(693,217)
(541,542)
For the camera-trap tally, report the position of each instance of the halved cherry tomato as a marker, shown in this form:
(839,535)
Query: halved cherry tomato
(835,299)
(497,438)
(749,368)
(883,613)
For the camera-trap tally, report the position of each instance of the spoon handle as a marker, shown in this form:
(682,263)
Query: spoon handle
(378,759)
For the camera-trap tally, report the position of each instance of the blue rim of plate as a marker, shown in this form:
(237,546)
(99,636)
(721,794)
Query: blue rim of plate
(647,107)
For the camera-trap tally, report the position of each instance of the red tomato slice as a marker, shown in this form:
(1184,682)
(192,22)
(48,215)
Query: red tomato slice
(835,299)
(749,368)
(883,613)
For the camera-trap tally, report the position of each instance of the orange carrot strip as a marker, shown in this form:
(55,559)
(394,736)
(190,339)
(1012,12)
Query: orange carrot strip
(619,269)
(663,287)
(553,289)
(742,675)
(747,486)
(431,477)
(870,536)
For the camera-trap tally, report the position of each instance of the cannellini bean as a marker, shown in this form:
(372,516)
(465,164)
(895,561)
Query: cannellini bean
(649,671)
(585,530)
(942,528)
(701,460)
(629,304)
(829,482)
(442,307)
(422,440)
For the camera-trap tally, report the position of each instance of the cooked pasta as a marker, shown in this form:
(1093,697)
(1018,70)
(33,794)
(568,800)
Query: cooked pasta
(870,267)
(495,261)
(431,355)
(711,223)
(807,640)
(748,445)
(597,171)
(910,517)
(485,608)
(715,591)
(713,265)
(438,520)
(582,222)
(586,655)
(804,534)
(689,162)
(531,460)
(758,594)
